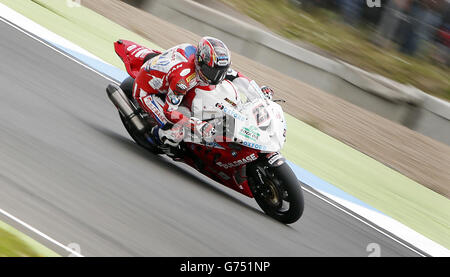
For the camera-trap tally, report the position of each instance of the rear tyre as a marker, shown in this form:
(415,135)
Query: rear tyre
(127,87)
(277,191)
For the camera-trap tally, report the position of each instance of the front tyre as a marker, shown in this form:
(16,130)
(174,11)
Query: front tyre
(277,191)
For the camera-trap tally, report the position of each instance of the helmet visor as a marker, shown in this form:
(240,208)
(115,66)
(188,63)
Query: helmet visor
(215,75)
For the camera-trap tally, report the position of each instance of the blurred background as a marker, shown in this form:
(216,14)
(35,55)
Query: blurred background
(399,39)
(414,33)
(405,40)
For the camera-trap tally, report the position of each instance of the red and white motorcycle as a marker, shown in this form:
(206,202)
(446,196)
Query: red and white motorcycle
(245,153)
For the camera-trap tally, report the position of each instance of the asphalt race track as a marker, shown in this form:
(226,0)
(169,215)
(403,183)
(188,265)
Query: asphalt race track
(69,169)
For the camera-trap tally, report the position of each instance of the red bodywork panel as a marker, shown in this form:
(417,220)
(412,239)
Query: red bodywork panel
(226,166)
(224,163)
(132,55)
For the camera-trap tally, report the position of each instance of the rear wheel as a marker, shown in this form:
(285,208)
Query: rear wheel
(127,86)
(277,191)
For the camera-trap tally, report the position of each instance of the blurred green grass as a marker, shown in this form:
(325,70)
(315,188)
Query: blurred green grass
(15,244)
(324,29)
(79,25)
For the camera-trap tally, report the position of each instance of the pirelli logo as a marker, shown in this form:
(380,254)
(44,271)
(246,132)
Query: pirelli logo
(190,77)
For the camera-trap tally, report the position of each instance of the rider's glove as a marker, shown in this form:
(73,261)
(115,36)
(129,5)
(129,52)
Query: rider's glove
(172,136)
(268,92)
(206,130)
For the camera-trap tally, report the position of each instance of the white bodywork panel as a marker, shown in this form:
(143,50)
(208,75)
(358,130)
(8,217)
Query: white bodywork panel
(258,122)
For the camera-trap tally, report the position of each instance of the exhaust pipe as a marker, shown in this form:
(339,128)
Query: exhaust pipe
(117,96)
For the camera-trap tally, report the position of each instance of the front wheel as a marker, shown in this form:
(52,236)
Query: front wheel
(277,191)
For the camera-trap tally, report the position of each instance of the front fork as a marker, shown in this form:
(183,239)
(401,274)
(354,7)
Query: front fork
(267,161)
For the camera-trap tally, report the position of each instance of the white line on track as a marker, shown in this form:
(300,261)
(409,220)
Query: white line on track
(323,198)
(34,230)
(368,223)
(55,49)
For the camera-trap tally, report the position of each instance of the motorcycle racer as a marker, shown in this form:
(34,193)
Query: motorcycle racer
(244,153)
(162,80)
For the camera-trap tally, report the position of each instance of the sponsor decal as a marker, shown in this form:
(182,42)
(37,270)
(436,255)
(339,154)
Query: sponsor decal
(231,102)
(177,56)
(182,86)
(243,161)
(273,157)
(151,64)
(142,53)
(160,62)
(159,65)
(214,145)
(231,112)
(136,50)
(174,99)
(153,107)
(260,176)
(154,61)
(185,72)
(156,83)
(234,114)
(222,60)
(250,133)
(191,77)
(175,67)
(131,47)
(254,145)
(261,114)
